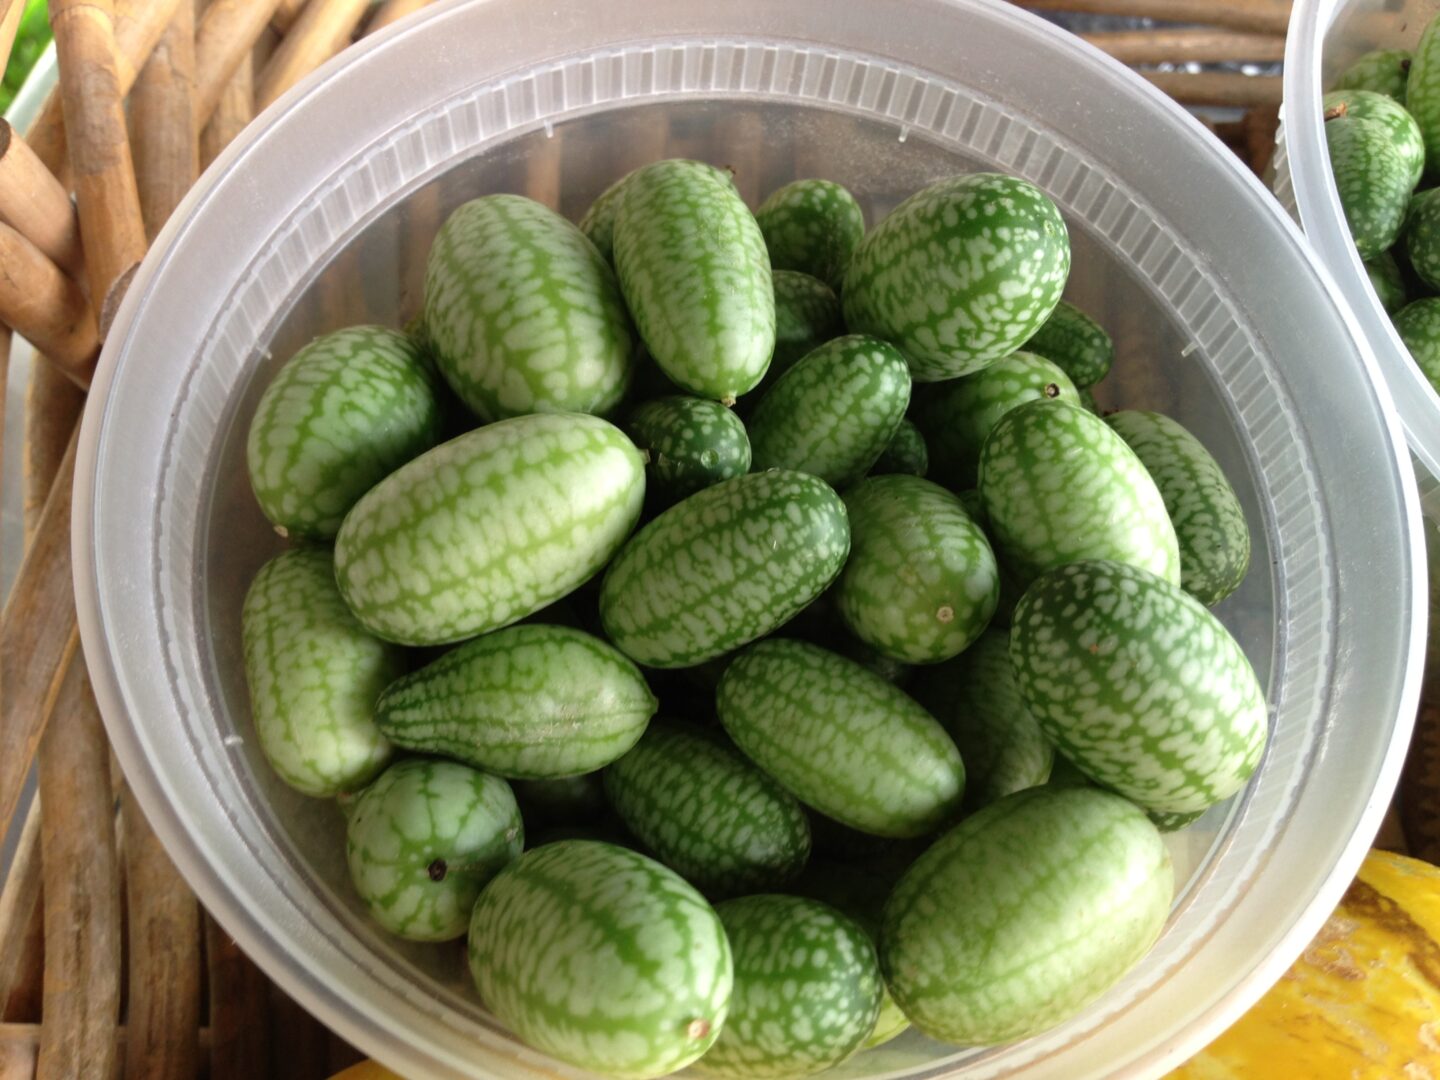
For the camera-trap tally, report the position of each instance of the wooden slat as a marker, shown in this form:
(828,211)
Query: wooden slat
(1218,88)
(227,32)
(167,150)
(323,29)
(36,204)
(17,905)
(46,306)
(1256,16)
(1198,45)
(239,1013)
(235,111)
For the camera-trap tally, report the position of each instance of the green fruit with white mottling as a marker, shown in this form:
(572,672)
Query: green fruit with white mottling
(524,314)
(834,412)
(489,527)
(424,839)
(724,567)
(1422,236)
(807,314)
(960,274)
(707,813)
(807,989)
(598,224)
(812,226)
(1059,486)
(1168,823)
(1139,685)
(529,702)
(314,674)
(602,958)
(1075,343)
(1372,179)
(696,276)
(1387,281)
(692,442)
(1024,914)
(1369,105)
(1204,509)
(1422,93)
(921,582)
(342,414)
(1418,324)
(1385,71)
(905,454)
(841,739)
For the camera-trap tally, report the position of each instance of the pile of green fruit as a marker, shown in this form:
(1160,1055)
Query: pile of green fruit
(918,737)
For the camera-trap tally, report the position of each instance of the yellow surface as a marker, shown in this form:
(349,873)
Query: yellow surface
(367,1070)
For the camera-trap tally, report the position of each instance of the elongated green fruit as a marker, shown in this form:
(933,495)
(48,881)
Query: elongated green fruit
(692,442)
(841,738)
(906,453)
(960,274)
(603,958)
(598,224)
(696,276)
(314,674)
(1075,343)
(1369,105)
(1422,93)
(707,813)
(1387,281)
(724,567)
(489,527)
(524,314)
(1064,890)
(1418,324)
(1140,686)
(424,839)
(1385,71)
(1422,236)
(807,314)
(812,226)
(1372,179)
(1059,486)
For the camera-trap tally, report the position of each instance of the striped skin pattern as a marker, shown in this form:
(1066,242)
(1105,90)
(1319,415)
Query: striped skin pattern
(314,674)
(1139,685)
(424,839)
(812,226)
(530,702)
(489,527)
(1075,343)
(696,276)
(692,442)
(905,454)
(807,989)
(342,414)
(921,582)
(1389,113)
(1422,236)
(976,699)
(834,412)
(1204,509)
(724,567)
(1372,179)
(524,314)
(707,813)
(1387,281)
(1422,93)
(807,314)
(960,274)
(1059,486)
(1024,914)
(1385,71)
(603,958)
(841,739)
(1418,324)
(598,224)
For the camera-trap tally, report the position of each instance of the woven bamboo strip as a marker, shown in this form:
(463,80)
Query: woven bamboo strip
(323,29)
(36,204)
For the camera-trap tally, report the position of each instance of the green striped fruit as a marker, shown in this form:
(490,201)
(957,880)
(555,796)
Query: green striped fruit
(707,813)
(1168,823)
(1385,71)
(1010,590)
(841,739)
(692,442)
(489,527)
(314,674)
(598,224)
(807,989)
(561,800)
(921,582)
(812,226)
(524,314)
(531,702)
(960,274)
(1369,105)
(424,839)
(724,567)
(1418,324)
(1139,685)
(603,958)
(1075,343)
(1388,282)
(976,699)
(1059,486)
(1422,93)
(1204,509)
(1422,236)
(834,412)
(1372,179)
(1024,914)
(807,314)
(695,273)
(905,454)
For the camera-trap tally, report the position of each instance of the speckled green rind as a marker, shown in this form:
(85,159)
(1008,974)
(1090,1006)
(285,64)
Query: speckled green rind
(976,699)
(1168,823)
(957,416)
(343,413)
(960,274)
(905,454)
(707,813)
(524,314)
(1059,486)
(1385,110)
(561,800)
(1418,324)
(692,442)
(529,702)
(603,958)
(724,567)
(1422,93)
(1385,71)
(489,527)
(921,582)
(1422,236)
(424,839)
(1387,281)
(1024,914)
(1075,343)
(841,739)
(834,412)
(598,224)
(696,276)
(807,989)
(812,226)
(807,314)
(1372,180)
(314,674)
(1139,685)
(1204,509)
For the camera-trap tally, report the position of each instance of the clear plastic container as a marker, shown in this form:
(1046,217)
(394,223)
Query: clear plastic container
(321,215)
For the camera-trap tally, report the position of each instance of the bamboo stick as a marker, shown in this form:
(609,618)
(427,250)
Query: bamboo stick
(393,11)
(226,34)
(1218,88)
(39,302)
(167,152)
(300,1046)
(286,12)
(17,904)
(20,1036)
(239,1018)
(17,1054)
(37,205)
(235,111)
(10,13)
(322,30)
(52,406)
(1258,16)
(1201,45)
